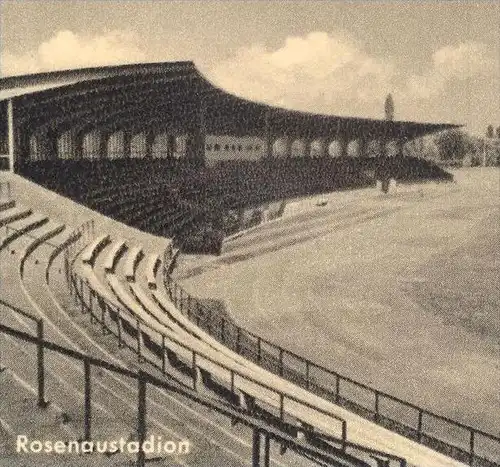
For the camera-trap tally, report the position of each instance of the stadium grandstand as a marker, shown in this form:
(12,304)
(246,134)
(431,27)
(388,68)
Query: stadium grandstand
(107,174)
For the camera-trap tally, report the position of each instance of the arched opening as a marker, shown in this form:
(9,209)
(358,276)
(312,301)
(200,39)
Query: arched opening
(115,145)
(280,147)
(91,145)
(298,148)
(160,146)
(180,146)
(35,151)
(138,146)
(353,148)
(335,148)
(65,146)
(391,149)
(318,148)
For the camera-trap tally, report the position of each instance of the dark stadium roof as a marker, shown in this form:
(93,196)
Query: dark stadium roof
(171,95)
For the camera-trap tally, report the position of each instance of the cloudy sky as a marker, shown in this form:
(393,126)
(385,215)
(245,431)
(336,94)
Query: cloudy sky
(439,59)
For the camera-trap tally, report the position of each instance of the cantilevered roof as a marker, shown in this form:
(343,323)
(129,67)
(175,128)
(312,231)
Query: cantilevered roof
(174,95)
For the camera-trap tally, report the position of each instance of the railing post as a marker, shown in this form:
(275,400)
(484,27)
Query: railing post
(419,426)
(282,407)
(344,434)
(81,296)
(337,387)
(193,368)
(139,339)
(281,361)
(267,453)
(87,414)
(256,448)
(222,326)
(471,450)
(377,397)
(259,349)
(119,327)
(41,365)
(238,340)
(141,419)
(307,374)
(91,300)
(102,306)
(163,354)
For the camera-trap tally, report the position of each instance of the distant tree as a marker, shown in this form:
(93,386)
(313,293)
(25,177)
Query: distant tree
(490,131)
(497,131)
(453,144)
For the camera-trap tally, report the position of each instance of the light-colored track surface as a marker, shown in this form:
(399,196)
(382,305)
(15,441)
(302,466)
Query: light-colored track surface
(342,289)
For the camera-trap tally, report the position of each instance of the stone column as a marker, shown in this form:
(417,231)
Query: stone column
(103,145)
(362,143)
(288,147)
(127,140)
(307,147)
(149,141)
(77,143)
(344,143)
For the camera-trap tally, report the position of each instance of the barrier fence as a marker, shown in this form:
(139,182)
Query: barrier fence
(462,442)
(331,450)
(260,430)
(138,337)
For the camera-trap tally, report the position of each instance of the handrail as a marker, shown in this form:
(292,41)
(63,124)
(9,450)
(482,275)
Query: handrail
(219,326)
(78,285)
(238,415)
(232,372)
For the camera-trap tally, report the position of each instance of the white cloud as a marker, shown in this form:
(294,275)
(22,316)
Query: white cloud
(322,72)
(317,72)
(450,64)
(67,49)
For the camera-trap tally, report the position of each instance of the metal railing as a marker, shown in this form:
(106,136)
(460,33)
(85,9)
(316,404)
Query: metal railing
(158,354)
(260,430)
(333,453)
(462,442)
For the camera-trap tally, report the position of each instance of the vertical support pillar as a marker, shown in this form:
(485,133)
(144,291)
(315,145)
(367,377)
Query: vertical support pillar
(256,448)
(21,148)
(149,141)
(87,414)
(127,144)
(400,142)
(77,144)
(362,143)
(103,145)
(40,365)
(344,143)
(288,147)
(323,148)
(170,146)
(141,419)
(267,453)
(307,147)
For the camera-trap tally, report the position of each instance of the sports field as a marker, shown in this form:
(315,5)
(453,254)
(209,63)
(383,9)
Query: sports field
(399,291)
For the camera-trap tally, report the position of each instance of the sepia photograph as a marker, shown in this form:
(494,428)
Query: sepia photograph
(249,233)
